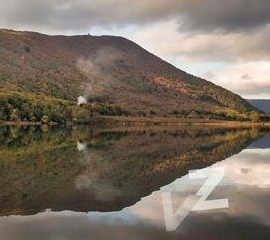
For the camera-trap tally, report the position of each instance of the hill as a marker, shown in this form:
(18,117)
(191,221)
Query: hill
(107,70)
(262,104)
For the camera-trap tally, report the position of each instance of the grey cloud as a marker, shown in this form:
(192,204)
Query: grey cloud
(76,15)
(246,77)
(208,75)
(229,15)
(249,88)
(231,47)
(255,89)
(79,15)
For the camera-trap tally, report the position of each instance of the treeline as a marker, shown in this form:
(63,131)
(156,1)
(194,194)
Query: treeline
(34,108)
(22,108)
(253,116)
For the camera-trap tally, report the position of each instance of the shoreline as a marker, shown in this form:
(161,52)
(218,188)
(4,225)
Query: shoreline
(171,121)
(23,123)
(120,121)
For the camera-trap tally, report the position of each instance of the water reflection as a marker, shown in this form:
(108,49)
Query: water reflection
(118,177)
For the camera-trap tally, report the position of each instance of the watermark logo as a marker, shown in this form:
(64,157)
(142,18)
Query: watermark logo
(195,202)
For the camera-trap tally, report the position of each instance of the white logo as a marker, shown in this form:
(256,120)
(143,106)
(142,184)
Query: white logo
(196,202)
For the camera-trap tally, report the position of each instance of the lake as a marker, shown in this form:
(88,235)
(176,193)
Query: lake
(81,183)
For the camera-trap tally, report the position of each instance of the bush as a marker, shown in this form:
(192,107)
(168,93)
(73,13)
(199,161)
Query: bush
(45,119)
(255,117)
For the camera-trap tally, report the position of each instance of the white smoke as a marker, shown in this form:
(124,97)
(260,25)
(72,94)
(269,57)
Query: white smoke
(97,69)
(81,146)
(81,100)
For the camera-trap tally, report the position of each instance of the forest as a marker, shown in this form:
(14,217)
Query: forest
(17,107)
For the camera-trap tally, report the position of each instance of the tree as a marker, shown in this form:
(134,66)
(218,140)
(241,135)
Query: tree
(194,114)
(14,117)
(255,117)
(37,112)
(26,112)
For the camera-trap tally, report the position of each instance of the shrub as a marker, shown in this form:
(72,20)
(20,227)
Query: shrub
(45,119)
(255,117)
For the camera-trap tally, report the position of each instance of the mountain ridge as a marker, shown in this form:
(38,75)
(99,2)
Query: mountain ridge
(110,70)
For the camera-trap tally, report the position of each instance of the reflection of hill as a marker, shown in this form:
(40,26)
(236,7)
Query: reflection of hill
(261,143)
(41,170)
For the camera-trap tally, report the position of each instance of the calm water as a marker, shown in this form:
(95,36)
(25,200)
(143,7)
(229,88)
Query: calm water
(82,183)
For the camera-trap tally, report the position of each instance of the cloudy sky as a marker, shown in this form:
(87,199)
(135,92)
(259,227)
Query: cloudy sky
(224,41)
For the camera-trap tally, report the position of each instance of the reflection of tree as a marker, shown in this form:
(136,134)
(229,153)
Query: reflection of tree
(44,169)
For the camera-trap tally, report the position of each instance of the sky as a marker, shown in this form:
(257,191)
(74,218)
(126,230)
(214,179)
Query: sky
(224,41)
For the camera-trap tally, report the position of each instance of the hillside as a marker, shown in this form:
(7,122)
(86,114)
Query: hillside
(262,104)
(108,70)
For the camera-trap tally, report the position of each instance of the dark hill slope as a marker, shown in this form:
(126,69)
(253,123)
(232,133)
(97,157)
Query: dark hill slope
(262,104)
(108,69)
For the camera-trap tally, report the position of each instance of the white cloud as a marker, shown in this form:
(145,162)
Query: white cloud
(165,39)
(251,80)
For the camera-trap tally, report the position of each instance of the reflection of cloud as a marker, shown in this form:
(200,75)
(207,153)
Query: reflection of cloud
(149,209)
(248,204)
(246,178)
(76,226)
(249,168)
